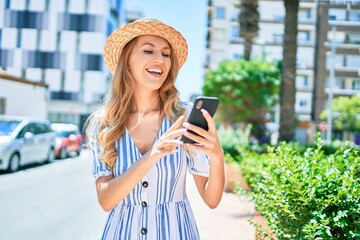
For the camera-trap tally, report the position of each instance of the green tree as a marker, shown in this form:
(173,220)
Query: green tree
(249,24)
(246,89)
(288,73)
(346,113)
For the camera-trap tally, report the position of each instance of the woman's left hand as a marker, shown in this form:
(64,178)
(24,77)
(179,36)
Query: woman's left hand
(207,141)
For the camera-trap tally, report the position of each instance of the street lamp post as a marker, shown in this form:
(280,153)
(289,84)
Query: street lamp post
(331,85)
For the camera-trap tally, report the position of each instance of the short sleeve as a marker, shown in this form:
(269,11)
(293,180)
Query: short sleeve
(197,161)
(99,168)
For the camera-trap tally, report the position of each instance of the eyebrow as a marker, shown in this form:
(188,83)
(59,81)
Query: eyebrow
(153,45)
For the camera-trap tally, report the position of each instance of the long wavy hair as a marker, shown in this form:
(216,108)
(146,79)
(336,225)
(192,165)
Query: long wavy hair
(111,118)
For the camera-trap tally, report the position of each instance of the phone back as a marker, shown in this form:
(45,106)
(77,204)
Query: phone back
(196,117)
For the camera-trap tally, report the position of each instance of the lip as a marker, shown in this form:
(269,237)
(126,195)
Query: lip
(156,72)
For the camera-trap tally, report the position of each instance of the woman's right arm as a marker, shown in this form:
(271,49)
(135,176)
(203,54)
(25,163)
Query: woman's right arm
(111,190)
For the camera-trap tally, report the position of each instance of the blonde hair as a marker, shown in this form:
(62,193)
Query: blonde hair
(112,117)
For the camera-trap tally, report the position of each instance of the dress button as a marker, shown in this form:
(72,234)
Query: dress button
(145,184)
(143,231)
(143,203)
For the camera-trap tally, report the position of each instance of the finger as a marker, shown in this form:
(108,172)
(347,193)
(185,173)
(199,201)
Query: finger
(176,134)
(168,152)
(172,142)
(176,125)
(209,119)
(202,132)
(168,144)
(208,143)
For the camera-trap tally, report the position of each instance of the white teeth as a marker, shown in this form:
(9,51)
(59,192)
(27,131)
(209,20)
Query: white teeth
(155,70)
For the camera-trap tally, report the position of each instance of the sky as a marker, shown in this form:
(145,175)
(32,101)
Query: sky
(189,18)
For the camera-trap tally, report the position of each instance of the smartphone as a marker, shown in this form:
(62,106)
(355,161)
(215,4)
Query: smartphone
(196,117)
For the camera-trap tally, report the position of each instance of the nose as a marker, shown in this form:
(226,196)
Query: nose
(159,57)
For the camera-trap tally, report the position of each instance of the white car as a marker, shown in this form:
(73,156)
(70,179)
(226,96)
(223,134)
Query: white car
(25,140)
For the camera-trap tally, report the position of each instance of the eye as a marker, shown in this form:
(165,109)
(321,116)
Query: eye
(148,51)
(166,55)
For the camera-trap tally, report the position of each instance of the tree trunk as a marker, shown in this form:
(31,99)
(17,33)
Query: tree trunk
(288,74)
(249,24)
(247,49)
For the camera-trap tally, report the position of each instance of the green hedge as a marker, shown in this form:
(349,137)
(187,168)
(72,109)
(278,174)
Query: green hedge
(306,194)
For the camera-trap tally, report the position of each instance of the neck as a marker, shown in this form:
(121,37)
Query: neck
(146,103)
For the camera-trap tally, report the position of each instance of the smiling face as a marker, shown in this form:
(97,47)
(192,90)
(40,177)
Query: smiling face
(150,62)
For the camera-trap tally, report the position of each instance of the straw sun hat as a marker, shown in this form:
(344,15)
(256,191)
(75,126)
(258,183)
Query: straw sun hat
(144,26)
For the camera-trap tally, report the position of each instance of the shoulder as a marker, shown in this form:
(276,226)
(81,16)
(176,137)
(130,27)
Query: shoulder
(93,122)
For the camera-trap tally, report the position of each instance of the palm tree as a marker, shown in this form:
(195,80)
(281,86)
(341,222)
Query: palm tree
(288,74)
(249,24)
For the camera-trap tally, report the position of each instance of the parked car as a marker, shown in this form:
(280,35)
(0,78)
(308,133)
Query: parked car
(68,139)
(25,140)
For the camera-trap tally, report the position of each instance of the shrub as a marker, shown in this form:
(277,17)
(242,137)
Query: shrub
(307,195)
(232,138)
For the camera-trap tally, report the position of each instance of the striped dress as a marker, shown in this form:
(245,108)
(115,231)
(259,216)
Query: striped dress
(157,208)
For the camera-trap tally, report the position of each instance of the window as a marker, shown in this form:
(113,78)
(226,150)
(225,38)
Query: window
(279,18)
(305,14)
(331,17)
(26,19)
(79,22)
(237,56)
(28,128)
(278,37)
(7,4)
(305,81)
(303,103)
(62,95)
(109,28)
(355,16)
(356,85)
(220,13)
(37,59)
(235,33)
(235,15)
(6,58)
(352,61)
(303,36)
(41,128)
(2,105)
(92,62)
(18,39)
(354,38)
(340,83)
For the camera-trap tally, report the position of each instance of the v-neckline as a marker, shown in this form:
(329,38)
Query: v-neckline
(156,138)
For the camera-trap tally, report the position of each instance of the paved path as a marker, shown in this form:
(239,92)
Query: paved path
(229,221)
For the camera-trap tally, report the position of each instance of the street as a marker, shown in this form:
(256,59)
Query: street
(58,201)
(51,201)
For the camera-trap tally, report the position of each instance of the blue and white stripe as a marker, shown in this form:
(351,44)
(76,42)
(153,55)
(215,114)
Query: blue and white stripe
(168,213)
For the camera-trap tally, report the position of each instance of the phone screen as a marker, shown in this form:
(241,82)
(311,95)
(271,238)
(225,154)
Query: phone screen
(210,104)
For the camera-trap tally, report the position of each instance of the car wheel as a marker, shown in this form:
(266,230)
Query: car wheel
(14,163)
(78,152)
(51,156)
(63,153)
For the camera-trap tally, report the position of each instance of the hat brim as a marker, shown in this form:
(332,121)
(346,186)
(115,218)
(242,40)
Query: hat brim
(121,36)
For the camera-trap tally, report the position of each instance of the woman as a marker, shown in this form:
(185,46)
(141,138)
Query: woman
(140,162)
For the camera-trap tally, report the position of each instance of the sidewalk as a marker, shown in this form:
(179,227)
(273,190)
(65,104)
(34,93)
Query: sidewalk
(229,221)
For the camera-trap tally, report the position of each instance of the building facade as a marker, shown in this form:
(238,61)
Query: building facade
(224,42)
(60,43)
(337,68)
(29,98)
